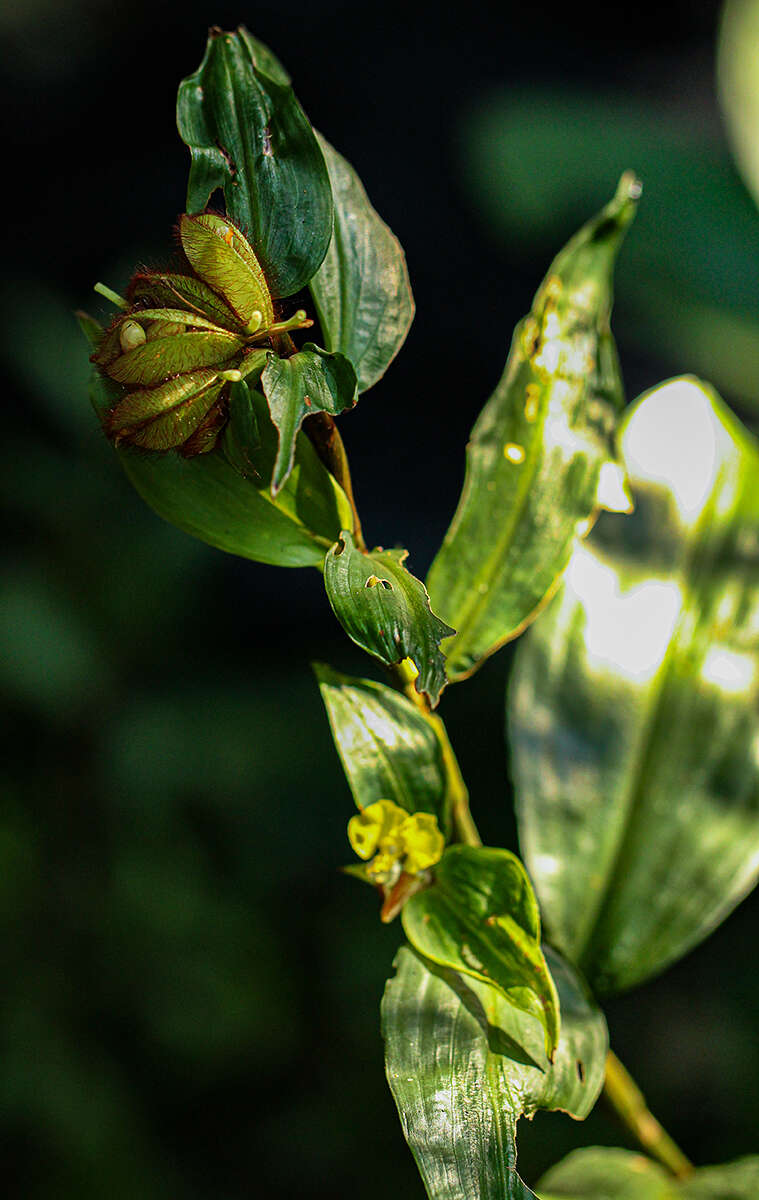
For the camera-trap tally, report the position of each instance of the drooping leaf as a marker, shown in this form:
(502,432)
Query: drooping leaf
(463,1065)
(633,705)
(248,135)
(388,749)
(737,1180)
(224,498)
(541,458)
(361,291)
(605,1173)
(480,917)
(310,381)
(386,610)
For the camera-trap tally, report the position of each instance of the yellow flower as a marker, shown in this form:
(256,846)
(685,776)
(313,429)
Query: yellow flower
(395,840)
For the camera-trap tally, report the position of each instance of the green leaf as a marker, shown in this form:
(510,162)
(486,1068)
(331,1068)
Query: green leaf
(386,610)
(223,497)
(248,135)
(481,917)
(463,1065)
(308,382)
(361,291)
(601,1173)
(738,79)
(633,703)
(541,459)
(388,748)
(737,1180)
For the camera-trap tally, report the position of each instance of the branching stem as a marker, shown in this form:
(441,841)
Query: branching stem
(325,438)
(629,1104)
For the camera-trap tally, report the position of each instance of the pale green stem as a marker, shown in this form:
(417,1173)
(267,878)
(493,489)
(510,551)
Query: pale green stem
(628,1102)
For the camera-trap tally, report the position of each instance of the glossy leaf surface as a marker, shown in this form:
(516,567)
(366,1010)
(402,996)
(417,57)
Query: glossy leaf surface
(223,497)
(605,1173)
(480,917)
(361,291)
(248,135)
(463,1065)
(386,610)
(389,751)
(633,705)
(310,381)
(538,449)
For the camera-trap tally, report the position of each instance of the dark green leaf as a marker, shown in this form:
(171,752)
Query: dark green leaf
(737,1180)
(248,135)
(601,1173)
(361,291)
(223,497)
(389,750)
(386,610)
(541,458)
(481,917)
(634,698)
(463,1065)
(308,382)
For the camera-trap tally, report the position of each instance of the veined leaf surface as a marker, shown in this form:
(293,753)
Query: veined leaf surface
(633,704)
(361,291)
(541,458)
(387,747)
(248,135)
(480,917)
(463,1065)
(386,610)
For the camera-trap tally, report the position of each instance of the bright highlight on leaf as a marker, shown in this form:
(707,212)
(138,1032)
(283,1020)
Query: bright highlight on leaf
(633,702)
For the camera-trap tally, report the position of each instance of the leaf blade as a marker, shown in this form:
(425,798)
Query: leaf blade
(537,450)
(461,1080)
(248,135)
(361,290)
(632,705)
(384,609)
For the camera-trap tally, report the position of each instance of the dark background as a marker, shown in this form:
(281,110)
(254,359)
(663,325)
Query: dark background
(190,988)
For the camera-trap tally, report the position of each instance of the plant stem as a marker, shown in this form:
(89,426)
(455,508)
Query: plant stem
(325,438)
(628,1102)
(457,795)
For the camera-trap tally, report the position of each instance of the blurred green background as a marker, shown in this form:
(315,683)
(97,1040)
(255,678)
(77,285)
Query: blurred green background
(191,989)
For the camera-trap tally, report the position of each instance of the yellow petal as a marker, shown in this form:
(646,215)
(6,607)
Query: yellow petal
(377,821)
(423,842)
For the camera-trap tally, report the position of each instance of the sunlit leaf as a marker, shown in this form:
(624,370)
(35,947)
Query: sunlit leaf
(310,381)
(249,136)
(633,706)
(361,290)
(463,1065)
(738,78)
(388,749)
(386,610)
(541,458)
(480,917)
(224,498)
(605,1173)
